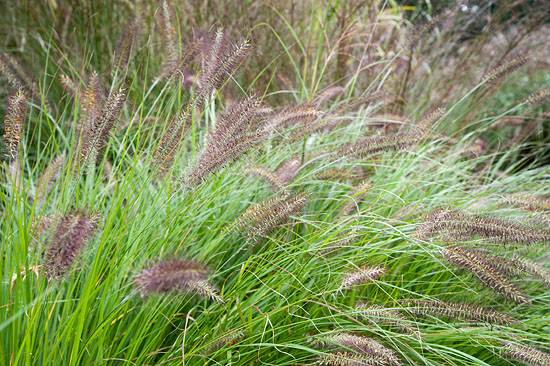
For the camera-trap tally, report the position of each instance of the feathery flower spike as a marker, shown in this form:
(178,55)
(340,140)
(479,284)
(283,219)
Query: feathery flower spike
(177,275)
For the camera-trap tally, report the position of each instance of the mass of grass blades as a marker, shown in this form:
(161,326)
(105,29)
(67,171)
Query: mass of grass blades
(299,183)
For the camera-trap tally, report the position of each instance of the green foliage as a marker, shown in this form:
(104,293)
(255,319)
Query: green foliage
(166,250)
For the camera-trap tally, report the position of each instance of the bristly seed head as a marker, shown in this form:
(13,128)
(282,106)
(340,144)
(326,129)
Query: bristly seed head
(457,223)
(526,354)
(459,311)
(71,233)
(363,275)
(485,272)
(504,69)
(366,351)
(259,220)
(13,124)
(177,275)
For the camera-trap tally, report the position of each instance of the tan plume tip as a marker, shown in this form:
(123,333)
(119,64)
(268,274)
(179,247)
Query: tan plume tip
(363,275)
(213,159)
(176,275)
(13,124)
(532,268)
(527,354)
(71,233)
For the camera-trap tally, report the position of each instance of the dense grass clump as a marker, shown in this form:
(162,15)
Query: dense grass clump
(299,183)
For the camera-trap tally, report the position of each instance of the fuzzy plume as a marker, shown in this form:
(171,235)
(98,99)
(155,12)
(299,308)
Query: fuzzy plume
(49,177)
(356,103)
(96,134)
(288,117)
(335,174)
(17,75)
(410,211)
(327,95)
(68,84)
(378,144)
(504,69)
(465,225)
(349,359)
(484,271)
(220,65)
(259,220)
(91,102)
(228,338)
(459,311)
(233,136)
(527,267)
(7,71)
(13,124)
(363,275)
(372,352)
(514,266)
(179,67)
(71,233)
(170,142)
(169,33)
(43,223)
(310,128)
(526,354)
(528,202)
(357,194)
(126,44)
(287,170)
(430,119)
(270,177)
(340,241)
(541,96)
(418,34)
(378,314)
(177,275)
(15,172)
